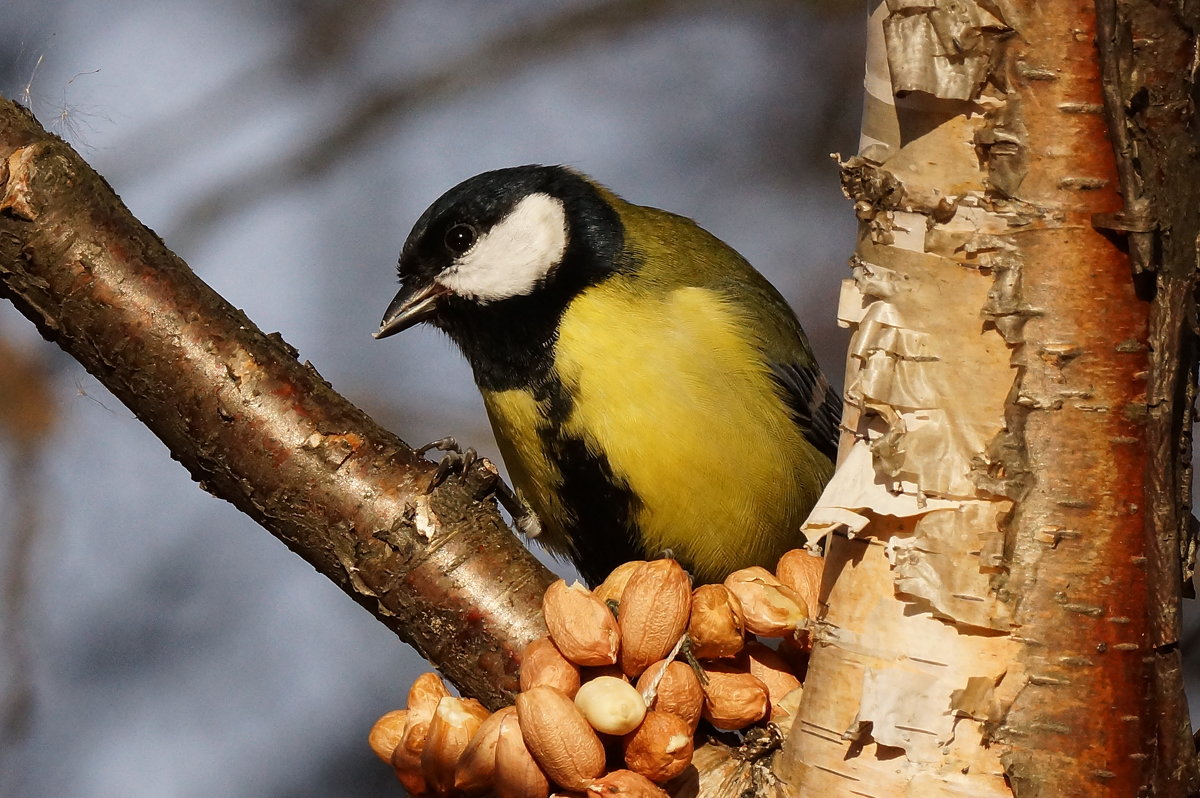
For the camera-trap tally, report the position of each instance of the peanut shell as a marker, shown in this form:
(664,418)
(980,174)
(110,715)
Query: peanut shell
(654,613)
(559,737)
(581,626)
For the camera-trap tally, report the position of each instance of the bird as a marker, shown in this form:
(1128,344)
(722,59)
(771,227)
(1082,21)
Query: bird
(650,392)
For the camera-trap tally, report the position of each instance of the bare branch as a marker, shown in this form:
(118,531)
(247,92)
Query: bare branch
(255,427)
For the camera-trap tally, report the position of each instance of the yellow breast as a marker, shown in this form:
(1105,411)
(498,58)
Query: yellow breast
(518,421)
(688,415)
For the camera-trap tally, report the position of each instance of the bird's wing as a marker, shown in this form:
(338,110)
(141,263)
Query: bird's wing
(816,407)
(661,239)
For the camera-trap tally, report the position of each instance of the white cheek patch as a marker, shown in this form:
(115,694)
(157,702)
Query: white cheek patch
(514,256)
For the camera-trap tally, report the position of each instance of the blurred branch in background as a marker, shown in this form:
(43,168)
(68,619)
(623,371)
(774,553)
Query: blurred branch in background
(27,417)
(325,39)
(372,110)
(379,108)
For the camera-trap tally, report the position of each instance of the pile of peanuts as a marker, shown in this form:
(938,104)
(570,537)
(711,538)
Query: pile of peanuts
(605,708)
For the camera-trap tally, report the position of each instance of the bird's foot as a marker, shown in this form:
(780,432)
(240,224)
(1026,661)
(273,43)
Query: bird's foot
(455,461)
(459,461)
(760,742)
(523,516)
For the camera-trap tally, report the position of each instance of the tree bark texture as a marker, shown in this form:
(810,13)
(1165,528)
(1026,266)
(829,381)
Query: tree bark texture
(1003,617)
(1147,54)
(1097,610)
(254,426)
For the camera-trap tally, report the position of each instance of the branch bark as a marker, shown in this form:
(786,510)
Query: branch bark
(259,429)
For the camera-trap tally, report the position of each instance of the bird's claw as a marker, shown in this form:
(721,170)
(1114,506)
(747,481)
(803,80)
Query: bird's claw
(446,444)
(459,461)
(455,461)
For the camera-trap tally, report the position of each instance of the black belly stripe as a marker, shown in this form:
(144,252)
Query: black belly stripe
(603,525)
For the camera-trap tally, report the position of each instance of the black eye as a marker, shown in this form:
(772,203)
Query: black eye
(460,238)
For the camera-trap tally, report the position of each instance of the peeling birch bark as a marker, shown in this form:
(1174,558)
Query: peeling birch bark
(986,598)
(911,664)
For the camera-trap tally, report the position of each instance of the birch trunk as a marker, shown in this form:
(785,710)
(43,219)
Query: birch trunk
(993,619)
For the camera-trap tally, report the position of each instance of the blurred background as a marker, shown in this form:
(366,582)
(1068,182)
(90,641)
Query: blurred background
(155,642)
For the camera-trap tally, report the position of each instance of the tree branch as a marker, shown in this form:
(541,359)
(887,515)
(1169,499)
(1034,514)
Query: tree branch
(259,429)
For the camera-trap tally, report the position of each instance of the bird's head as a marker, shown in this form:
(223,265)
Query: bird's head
(526,231)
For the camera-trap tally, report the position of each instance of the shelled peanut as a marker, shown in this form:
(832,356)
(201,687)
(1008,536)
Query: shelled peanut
(578,714)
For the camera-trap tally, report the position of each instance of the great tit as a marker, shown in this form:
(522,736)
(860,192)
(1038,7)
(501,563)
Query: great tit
(649,390)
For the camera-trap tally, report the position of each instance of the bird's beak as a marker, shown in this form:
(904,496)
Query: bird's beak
(411,306)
